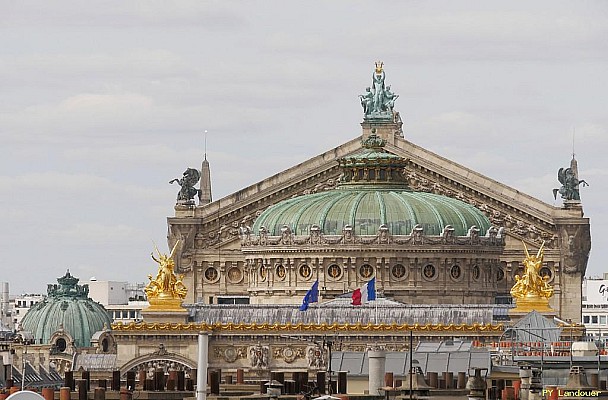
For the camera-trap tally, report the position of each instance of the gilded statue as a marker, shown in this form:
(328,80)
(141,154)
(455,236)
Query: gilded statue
(166,285)
(532,291)
(531,283)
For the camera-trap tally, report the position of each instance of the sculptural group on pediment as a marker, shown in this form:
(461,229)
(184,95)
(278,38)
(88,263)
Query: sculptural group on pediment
(570,184)
(378,101)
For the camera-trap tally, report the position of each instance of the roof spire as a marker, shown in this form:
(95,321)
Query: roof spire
(204,196)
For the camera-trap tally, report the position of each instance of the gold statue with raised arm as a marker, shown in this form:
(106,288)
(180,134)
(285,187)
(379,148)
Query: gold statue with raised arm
(166,291)
(532,291)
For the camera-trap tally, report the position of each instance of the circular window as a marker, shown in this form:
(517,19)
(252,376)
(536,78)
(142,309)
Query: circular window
(61,344)
(263,273)
(429,271)
(366,271)
(476,272)
(398,271)
(334,271)
(455,272)
(280,272)
(211,274)
(235,275)
(305,271)
(546,273)
(500,274)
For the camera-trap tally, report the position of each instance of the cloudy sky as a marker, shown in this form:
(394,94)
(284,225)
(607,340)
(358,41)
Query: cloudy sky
(103,102)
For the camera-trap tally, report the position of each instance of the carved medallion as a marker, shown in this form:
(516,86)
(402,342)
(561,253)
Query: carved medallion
(290,354)
(399,272)
(280,272)
(334,271)
(429,272)
(230,354)
(366,271)
(500,274)
(546,273)
(455,272)
(235,275)
(211,275)
(305,271)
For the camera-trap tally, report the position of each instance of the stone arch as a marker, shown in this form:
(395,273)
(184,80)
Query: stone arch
(187,363)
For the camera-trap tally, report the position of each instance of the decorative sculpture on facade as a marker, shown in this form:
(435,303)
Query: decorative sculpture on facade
(316,357)
(190,178)
(166,290)
(570,184)
(259,356)
(378,100)
(532,291)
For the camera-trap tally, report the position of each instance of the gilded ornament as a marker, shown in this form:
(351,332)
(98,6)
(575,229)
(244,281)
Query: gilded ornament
(532,291)
(166,291)
(301,327)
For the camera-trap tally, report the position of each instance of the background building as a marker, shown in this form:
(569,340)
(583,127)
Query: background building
(595,307)
(21,304)
(123,300)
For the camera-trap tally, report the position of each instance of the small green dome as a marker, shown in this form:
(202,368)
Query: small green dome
(372,192)
(69,307)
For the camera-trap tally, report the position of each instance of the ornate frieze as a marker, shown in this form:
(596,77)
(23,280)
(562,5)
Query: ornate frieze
(493,237)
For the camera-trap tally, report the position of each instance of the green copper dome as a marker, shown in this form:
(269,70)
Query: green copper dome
(67,307)
(372,192)
(365,209)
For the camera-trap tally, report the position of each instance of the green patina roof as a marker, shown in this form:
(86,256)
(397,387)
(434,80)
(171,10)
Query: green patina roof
(372,191)
(366,208)
(69,307)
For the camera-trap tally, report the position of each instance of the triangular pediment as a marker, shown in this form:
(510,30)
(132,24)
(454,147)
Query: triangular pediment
(525,217)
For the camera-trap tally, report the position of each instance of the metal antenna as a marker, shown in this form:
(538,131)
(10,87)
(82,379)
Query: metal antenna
(205,144)
(573,134)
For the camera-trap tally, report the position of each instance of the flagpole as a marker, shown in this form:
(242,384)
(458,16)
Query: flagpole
(318,310)
(375,305)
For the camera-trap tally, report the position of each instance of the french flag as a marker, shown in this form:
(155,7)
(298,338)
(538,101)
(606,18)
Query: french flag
(365,293)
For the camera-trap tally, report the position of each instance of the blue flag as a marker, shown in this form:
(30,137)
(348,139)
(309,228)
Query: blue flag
(312,296)
(371,289)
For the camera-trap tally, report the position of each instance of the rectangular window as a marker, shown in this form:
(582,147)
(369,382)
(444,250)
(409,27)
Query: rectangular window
(585,319)
(594,319)
(603,319)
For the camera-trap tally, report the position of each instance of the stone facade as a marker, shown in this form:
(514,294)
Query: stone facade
(216,264)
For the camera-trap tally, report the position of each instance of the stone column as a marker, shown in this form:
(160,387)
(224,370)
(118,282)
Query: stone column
(377,368)
(201,371)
